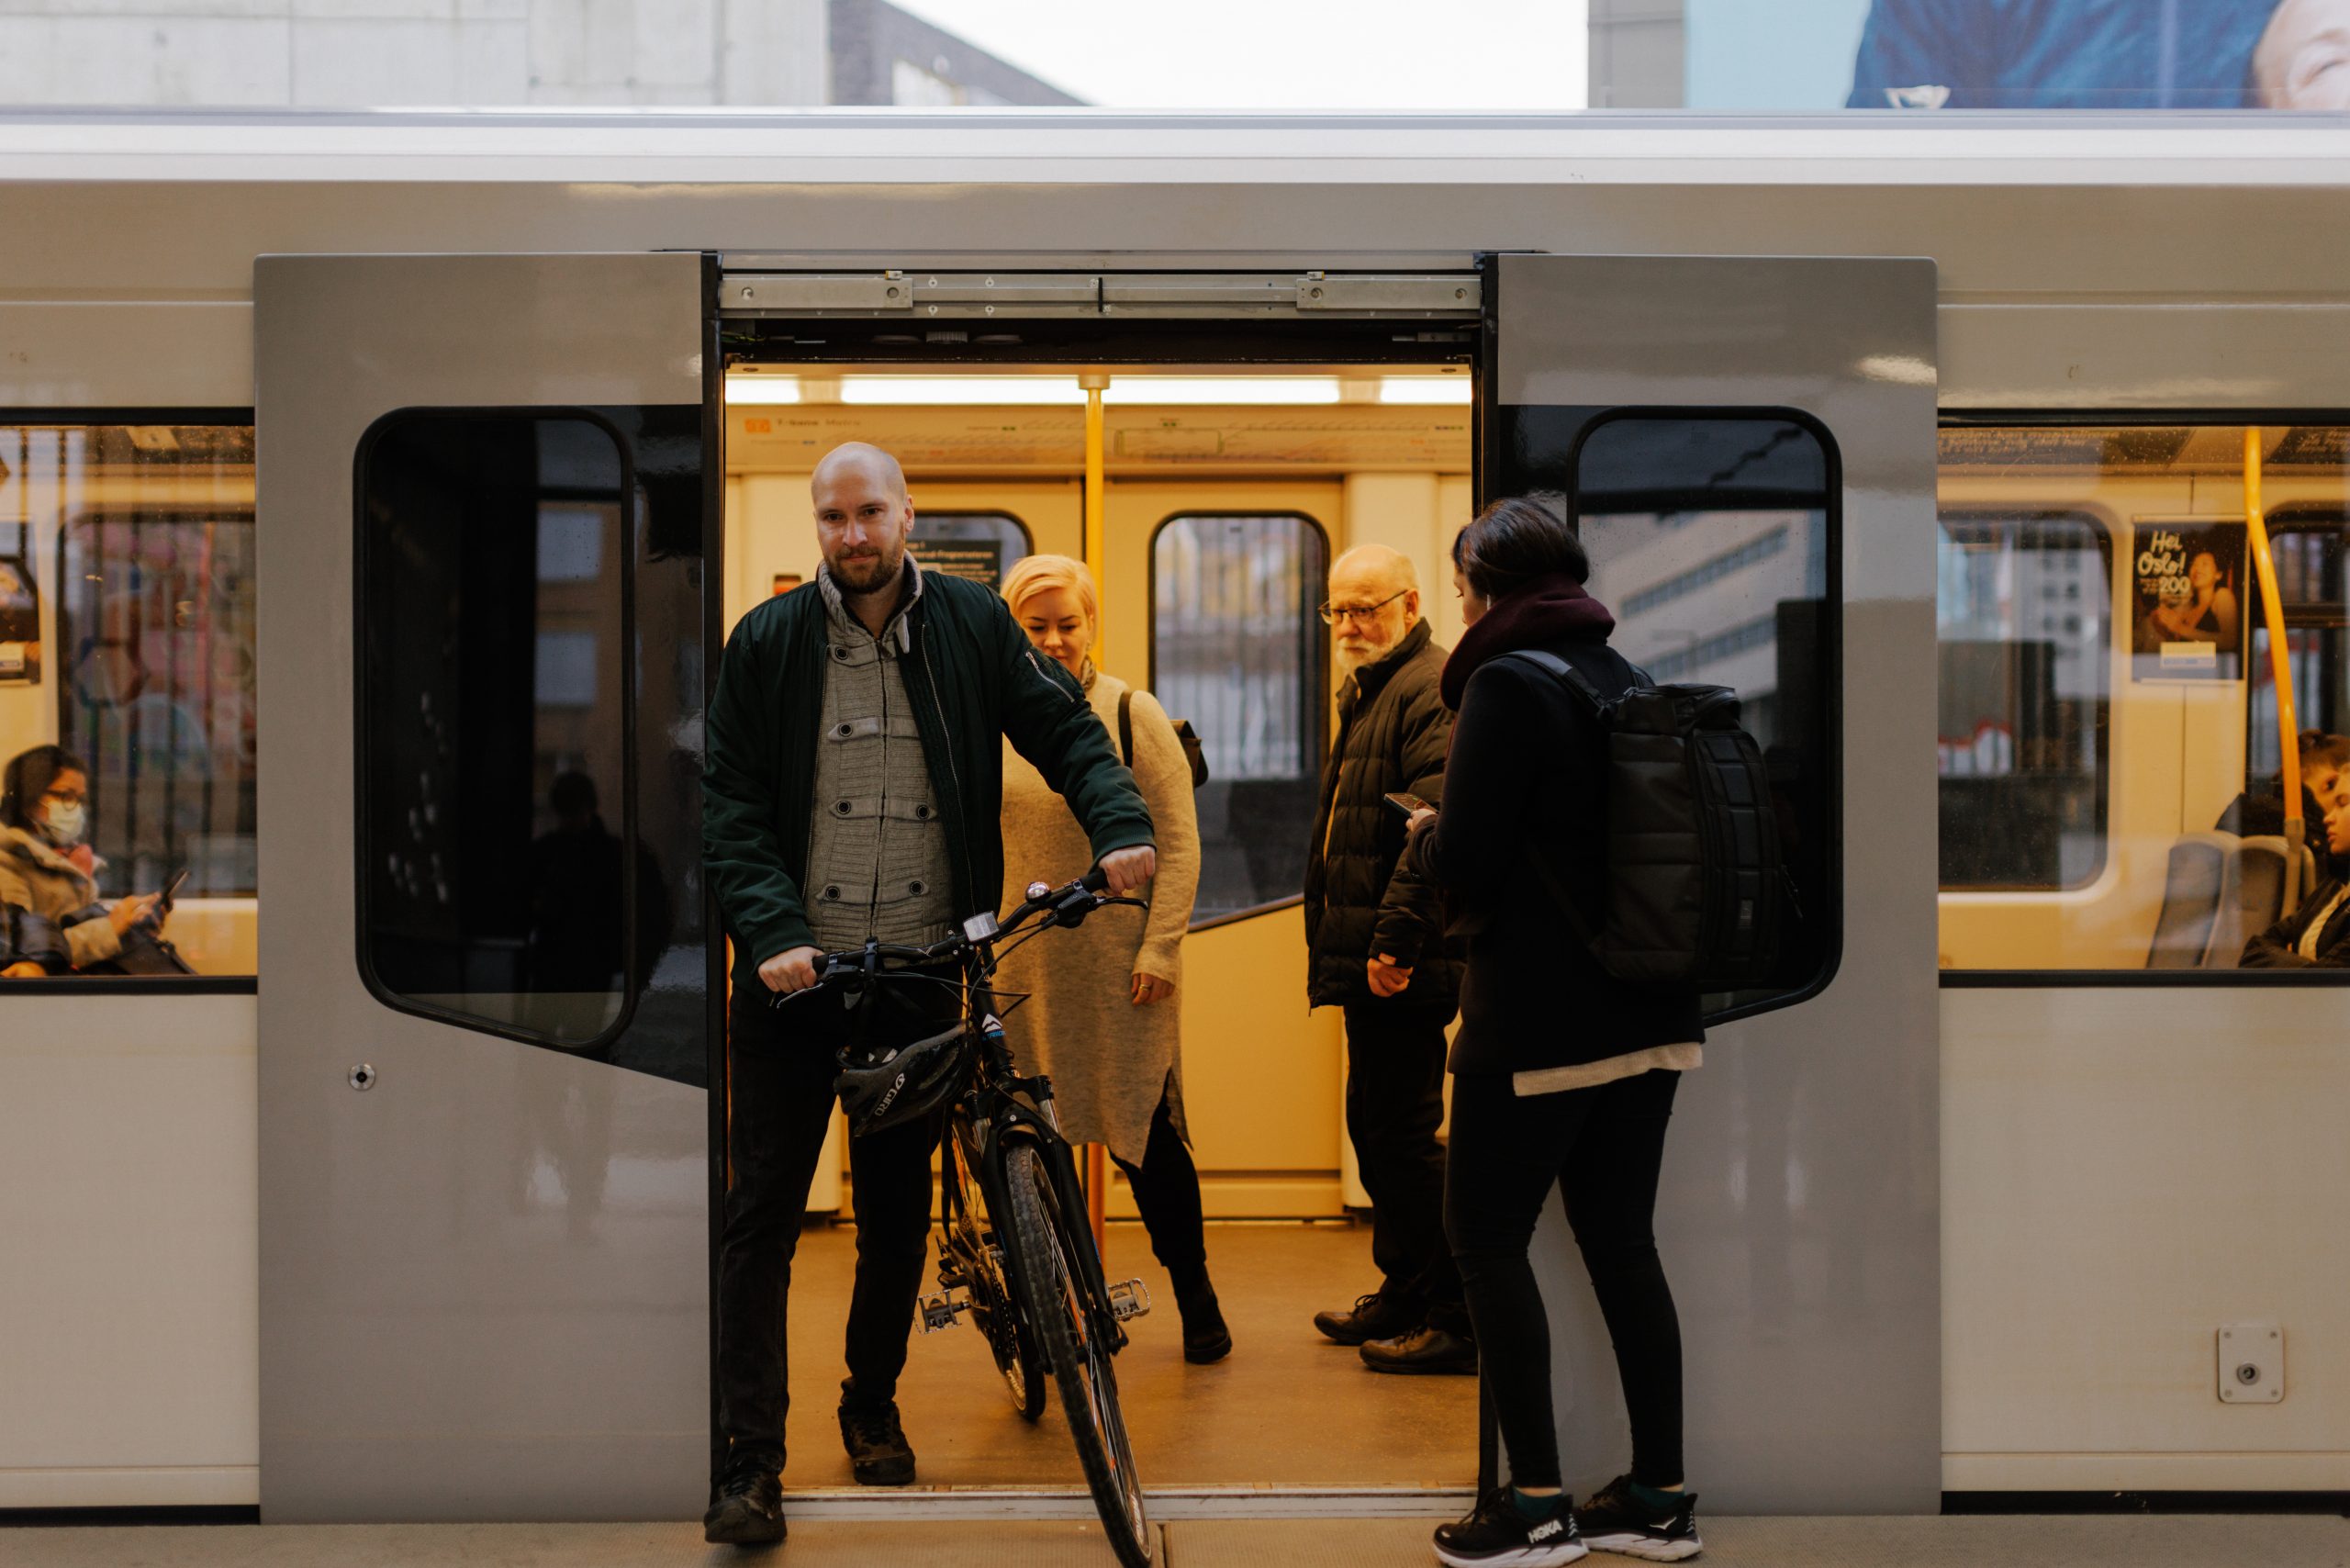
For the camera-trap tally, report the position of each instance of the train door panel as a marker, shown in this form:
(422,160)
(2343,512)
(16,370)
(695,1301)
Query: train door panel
(1212,588)
(485,1042)
(1747,448)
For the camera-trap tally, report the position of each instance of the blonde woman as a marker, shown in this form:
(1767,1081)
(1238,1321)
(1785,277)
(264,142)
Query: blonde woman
(1102,1018)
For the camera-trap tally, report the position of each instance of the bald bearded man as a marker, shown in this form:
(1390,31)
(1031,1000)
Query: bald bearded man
(854,790)
(1376,948)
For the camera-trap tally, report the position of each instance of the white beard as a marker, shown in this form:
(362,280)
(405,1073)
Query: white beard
(1349,660)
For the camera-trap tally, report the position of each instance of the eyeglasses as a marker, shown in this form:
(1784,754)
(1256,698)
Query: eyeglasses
(1334,613)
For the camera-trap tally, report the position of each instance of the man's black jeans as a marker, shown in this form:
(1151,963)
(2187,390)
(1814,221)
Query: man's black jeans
(780,1071)
(1394,1104)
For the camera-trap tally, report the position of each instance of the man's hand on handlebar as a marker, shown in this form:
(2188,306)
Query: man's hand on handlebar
(792,969)
(1130,870)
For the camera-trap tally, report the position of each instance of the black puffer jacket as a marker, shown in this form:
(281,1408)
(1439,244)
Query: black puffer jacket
(1393,731)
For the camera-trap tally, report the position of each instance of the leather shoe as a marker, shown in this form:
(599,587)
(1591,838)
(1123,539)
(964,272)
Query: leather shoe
(878,1455)
(1374,1317)
(1424,1349)
(745,1503)
(1206,1337)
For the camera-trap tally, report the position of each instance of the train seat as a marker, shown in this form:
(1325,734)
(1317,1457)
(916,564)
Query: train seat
(2218,891)
(2191,891)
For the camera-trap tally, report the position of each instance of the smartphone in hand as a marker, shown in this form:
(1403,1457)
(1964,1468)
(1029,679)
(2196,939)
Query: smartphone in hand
(1406,804)
(170,890)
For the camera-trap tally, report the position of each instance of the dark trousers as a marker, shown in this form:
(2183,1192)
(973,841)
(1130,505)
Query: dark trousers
(1167,1189)
(1394,1104)
(1602,1148)
(780,1074)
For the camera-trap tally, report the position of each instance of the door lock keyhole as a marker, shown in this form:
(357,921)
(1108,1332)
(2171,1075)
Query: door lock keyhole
(363,1077)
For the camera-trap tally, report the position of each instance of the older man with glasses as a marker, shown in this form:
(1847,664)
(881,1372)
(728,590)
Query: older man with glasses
(1376,943)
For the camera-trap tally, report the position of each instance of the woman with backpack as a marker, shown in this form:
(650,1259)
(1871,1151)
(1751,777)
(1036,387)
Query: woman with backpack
(1101,1018)
(1562,1074)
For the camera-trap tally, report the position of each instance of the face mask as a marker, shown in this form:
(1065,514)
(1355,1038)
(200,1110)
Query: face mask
(61,825)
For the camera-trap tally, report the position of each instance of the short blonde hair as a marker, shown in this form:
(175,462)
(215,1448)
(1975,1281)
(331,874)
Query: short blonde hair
(1042,574)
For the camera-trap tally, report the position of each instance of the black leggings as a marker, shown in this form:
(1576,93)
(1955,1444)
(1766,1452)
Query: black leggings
(1167,1189)
(1602,1148)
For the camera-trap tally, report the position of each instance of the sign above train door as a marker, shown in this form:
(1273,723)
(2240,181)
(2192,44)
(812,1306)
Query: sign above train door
(914,295)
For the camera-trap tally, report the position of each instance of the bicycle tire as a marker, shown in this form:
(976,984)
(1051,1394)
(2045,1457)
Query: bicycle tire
(993,1312)
(1042,1246)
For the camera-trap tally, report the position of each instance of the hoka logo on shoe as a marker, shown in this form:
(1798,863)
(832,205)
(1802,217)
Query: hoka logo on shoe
(1545,1530)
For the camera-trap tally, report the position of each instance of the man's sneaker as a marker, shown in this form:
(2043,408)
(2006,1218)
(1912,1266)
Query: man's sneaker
(1615,1520)
(1497,1533)
(878,1455)
(1426,1349)
(1374,1317)
(746,1503)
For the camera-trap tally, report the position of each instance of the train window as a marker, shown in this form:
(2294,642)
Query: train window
(2022,600)
(126,639)
(1236,648)
(1713,540)
(982,546)
(2110,792)
(494,589)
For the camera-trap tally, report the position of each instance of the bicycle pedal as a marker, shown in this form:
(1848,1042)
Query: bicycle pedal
(1129,1298)
(941,1309)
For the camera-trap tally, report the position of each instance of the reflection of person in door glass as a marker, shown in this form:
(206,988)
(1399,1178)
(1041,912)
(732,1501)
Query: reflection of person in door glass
(2076,54)
(575,898)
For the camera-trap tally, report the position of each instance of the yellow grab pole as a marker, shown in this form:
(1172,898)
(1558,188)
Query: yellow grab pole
(1095,382)
(2281,666)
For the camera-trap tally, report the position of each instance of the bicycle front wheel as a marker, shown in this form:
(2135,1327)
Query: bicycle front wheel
(1047,1274)
(968,1237)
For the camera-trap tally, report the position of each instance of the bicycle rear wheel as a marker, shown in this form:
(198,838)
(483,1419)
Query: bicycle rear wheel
(970,1236)
(1043,1246)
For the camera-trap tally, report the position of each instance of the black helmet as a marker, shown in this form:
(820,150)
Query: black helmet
(887,1086)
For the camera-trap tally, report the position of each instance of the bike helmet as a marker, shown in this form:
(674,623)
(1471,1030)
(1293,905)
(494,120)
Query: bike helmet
(887,1086)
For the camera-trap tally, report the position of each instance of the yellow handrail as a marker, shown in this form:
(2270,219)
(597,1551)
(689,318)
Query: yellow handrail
(2281,666)
(1095,383)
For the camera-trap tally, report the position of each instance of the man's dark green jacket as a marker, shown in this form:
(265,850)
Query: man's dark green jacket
(973,680)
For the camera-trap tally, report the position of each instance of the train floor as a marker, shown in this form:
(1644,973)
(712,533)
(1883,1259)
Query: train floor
(2174,1542)
(1286,1407)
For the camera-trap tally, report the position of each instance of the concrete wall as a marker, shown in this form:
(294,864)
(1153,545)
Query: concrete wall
(361,53)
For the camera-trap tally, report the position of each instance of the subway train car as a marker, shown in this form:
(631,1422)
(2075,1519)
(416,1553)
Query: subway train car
(376,493)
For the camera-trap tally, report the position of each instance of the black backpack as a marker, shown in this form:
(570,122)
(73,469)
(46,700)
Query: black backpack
(1194,751)
(1696,894)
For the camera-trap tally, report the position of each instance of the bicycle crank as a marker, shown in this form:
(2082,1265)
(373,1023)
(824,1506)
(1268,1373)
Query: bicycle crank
(1129,1298)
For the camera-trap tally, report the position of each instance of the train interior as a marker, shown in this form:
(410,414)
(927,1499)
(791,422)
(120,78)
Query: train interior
(1225,495)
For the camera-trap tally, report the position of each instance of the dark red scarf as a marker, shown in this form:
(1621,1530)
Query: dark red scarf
(1548,609)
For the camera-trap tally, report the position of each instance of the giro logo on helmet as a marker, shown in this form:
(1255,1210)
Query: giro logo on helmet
(881,1106)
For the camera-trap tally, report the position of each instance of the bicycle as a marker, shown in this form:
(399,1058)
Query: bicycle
(1014,1249)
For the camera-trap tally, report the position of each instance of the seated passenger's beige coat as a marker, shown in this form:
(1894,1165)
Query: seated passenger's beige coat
(35,877)
(1108,1059)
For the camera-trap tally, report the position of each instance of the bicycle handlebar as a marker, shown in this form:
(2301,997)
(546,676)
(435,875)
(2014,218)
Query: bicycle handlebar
(1064,905)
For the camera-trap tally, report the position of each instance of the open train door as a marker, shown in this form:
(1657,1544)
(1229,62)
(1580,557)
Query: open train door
(484,1031)
(1747,447)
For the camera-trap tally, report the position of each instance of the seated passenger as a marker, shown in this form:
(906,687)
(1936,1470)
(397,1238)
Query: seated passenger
(2317,935)
(2325,780)
(46,870)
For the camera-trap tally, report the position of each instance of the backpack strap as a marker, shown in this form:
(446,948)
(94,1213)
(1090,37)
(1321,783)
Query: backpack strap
(1127,727)
(1560,671)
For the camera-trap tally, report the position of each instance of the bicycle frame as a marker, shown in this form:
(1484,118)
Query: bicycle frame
(990,1109)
